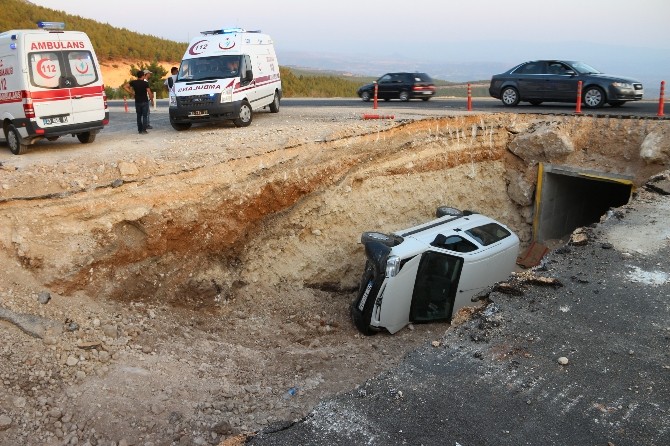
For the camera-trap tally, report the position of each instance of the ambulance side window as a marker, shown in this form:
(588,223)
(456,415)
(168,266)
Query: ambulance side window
(246,68)
(82,67)
(45,69)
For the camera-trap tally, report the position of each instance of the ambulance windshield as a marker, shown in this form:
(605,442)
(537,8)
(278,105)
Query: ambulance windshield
(204,68)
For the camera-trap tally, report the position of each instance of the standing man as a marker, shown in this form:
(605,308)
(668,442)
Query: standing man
(142,96)
(147,75)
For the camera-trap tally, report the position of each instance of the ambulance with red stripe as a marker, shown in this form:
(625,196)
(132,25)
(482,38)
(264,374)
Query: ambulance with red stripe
(50,86)
(225,74)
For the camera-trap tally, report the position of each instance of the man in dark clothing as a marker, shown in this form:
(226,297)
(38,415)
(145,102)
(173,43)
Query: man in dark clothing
(142,96)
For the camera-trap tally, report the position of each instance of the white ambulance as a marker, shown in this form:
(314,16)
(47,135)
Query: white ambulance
(225,75)
(50,86)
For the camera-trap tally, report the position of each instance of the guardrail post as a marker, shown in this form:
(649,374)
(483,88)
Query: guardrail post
(660,99)
(469,97)
(578,110)
(374,102)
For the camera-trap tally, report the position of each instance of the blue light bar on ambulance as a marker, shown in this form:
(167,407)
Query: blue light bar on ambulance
(228,31)
(51,25)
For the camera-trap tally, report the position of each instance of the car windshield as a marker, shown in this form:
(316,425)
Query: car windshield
(583,68)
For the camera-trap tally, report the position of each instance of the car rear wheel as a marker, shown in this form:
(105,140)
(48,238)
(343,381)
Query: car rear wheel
(14,141)
(509,97)
(365,96)
(86,137)
(244,119)
(404,96)
(594,97)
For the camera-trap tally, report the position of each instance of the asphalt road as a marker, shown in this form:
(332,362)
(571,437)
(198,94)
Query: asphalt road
(497,380)
(441,106)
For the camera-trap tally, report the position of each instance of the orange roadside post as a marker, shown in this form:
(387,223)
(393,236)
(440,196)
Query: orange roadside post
(469,97)
(578,110)
(374,102)
(661,105)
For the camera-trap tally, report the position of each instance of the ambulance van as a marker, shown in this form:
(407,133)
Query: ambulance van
(50,86)
(225,74)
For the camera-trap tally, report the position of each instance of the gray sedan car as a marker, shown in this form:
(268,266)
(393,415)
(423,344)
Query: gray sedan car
(556,81)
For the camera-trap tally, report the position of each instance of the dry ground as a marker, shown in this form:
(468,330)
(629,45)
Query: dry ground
(199,281)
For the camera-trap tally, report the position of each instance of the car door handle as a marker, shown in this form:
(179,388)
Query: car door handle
(77,97)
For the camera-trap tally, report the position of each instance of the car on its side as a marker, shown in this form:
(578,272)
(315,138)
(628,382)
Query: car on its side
(556,81)
(403,86)
(430,271)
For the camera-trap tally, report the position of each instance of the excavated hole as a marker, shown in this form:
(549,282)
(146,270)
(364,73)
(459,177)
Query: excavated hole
(241,229)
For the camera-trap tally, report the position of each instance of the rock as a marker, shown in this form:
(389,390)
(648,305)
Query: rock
(117,183)
(104,356)
(655,149)
(111,331)
(71,361)
(44,297)
(546,143)
(127,169)
(519,190)
(563,360)
(19,402)
(5,422)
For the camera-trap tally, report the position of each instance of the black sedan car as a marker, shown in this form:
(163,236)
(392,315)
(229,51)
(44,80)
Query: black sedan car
(403,86)
(556,81)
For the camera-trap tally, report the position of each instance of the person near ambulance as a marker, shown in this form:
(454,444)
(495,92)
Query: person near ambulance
(143,94)
(147,75)
(169,82)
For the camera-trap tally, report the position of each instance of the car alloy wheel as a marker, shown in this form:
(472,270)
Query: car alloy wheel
(594,97)
(365,96)
(509,96)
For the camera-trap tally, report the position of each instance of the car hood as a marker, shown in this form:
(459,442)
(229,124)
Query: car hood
(366,87)
(614,78)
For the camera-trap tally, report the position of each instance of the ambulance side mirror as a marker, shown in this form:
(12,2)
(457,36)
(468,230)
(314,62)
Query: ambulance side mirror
(249,75)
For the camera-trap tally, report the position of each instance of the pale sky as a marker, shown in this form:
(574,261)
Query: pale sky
(460,30)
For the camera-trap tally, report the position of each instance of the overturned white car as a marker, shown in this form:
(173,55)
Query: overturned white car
(428,272)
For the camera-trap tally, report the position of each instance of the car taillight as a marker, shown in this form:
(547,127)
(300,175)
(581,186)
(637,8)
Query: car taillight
(104,97)
(28,108)
(423,87)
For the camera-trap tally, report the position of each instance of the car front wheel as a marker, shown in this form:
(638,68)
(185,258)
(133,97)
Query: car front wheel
(594,97)
(365,96)
(404,96)
(509,96)
(274,105)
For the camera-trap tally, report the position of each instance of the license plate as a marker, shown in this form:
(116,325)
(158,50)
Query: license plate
(361,304)
(63,119)
(199,113)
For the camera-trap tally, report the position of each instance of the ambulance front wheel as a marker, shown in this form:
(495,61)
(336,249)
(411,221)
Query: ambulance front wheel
(244,118)
(14,141)
(86,137)
(274,105)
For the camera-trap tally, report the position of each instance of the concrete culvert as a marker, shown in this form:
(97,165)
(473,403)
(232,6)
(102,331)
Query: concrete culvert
(225,260)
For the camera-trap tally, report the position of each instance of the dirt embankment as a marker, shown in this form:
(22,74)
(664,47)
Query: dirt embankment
(196,277)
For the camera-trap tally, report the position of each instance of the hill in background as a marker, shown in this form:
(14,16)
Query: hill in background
(119,50)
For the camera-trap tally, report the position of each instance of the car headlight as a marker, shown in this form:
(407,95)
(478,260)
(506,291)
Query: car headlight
(392,266)
(625,85)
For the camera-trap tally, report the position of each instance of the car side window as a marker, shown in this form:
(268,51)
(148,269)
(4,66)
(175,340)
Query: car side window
(530,68)
(557,68)
(384,79)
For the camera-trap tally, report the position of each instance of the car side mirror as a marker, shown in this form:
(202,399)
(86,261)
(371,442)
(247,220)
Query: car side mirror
(570,72)
(249,75)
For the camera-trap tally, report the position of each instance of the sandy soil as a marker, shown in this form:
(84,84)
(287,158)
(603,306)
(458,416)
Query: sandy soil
(188,287)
